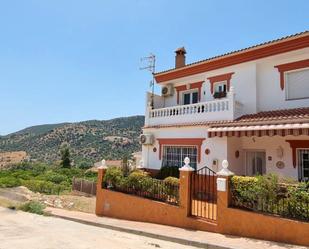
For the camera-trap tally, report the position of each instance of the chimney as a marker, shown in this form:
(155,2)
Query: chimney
(180,58)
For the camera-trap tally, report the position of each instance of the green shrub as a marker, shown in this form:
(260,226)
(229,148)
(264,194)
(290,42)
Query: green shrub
(53,177)
(171,181)
(113,176)
(138,180)
(167,171)
(34,207)
(267,194)
(45,186)
(9,182)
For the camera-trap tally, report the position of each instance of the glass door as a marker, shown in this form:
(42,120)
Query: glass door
(303,163)
(255,163)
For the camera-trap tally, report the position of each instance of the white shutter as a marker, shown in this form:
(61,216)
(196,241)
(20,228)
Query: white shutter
(297,84)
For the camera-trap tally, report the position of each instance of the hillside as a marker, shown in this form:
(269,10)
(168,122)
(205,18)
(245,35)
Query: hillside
(89,140)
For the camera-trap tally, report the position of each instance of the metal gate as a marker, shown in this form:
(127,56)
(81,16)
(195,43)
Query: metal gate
(204,194)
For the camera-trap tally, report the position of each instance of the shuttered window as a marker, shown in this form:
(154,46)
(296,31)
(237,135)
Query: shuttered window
(297,84)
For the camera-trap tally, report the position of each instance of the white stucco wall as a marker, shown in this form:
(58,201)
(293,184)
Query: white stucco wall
(256,83)
(270,146)
(217,146)
(225,148)
(270,95)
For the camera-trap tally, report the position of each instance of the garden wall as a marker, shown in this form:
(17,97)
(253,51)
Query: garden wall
(230,221)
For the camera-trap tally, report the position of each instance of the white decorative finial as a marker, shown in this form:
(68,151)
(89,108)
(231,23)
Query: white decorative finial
(225,171)
(187,166)
(103,164)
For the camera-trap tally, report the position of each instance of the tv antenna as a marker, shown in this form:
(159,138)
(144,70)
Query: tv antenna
(150,66)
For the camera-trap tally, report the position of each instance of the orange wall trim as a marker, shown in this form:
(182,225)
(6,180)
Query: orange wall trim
(288,67)
(197,85)
(223,77)
(181,141)
(297,144)
(234,59)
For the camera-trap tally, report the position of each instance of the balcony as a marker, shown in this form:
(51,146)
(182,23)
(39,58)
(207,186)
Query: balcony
(215,110)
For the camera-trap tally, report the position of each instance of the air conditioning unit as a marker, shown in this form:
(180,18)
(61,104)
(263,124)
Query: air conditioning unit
(167,90)
(146,139)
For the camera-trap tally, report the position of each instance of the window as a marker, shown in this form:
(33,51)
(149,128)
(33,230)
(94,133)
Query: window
(220,87)
(297,84)
(174,155)
(190,97)
(255,163)
(303,162)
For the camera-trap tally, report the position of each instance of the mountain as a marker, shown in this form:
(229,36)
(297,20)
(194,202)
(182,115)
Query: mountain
(89,141)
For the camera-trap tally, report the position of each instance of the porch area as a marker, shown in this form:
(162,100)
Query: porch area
(226,108)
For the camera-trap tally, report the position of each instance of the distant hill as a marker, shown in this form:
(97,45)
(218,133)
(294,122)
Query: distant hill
(90,140)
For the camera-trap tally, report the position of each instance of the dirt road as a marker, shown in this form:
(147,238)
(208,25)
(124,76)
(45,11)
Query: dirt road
(23,231)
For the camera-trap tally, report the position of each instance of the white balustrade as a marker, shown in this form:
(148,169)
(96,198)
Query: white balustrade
(219,109)
(199,108)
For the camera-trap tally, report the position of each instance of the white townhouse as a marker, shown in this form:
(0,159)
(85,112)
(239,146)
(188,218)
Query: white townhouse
(249,106)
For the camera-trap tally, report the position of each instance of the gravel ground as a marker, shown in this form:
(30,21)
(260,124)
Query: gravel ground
(23,231)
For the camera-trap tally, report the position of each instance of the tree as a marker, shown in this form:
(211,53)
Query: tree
(65,157)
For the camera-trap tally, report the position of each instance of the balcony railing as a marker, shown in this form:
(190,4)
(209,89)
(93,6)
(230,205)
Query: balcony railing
(219,109)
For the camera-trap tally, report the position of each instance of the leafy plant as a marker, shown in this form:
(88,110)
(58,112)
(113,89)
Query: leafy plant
(267,194)
(34,207)
(113,176)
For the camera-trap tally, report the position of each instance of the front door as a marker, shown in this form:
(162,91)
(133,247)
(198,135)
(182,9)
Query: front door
(255,163)
(303,164)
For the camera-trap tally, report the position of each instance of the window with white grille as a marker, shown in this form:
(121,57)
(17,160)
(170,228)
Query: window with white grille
(297,84)
(303,164)
(174,155)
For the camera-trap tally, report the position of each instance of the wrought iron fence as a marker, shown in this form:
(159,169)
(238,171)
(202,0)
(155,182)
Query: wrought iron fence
(204,194)
(150,188)
(288,204)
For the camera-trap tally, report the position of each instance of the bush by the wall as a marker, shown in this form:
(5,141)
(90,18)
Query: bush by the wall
(138,180)
(171,181)
(113,176)
(267,194)
(167,171)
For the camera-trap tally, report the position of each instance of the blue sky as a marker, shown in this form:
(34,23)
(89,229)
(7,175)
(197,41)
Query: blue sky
(74,60)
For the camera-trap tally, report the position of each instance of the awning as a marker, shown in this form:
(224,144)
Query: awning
(296,129)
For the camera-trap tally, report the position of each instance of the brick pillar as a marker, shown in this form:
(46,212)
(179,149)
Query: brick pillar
(223,195)
(185,186)
(99,195)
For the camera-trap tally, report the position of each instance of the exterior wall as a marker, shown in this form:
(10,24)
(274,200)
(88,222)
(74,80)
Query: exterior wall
(256,83)
(221,148)
(229,220)
(267,144)
(270,95)
(217,146)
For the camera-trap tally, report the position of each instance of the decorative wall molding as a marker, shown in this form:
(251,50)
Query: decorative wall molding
(197,85)
(222,77)
(288,67)
(297,144)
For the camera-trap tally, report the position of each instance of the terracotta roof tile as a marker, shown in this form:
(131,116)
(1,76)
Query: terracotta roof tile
(239,51)
(266,117)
